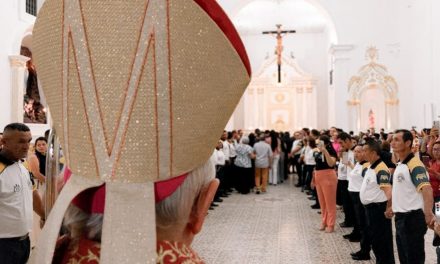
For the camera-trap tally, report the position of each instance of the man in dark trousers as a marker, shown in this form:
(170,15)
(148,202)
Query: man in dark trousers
(375,195)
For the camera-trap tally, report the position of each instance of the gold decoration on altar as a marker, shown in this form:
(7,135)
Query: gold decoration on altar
(280,97)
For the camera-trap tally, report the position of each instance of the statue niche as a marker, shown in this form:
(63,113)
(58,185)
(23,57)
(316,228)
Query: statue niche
(373,99)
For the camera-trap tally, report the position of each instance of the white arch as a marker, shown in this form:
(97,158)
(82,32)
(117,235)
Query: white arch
(19,36)
(237,7)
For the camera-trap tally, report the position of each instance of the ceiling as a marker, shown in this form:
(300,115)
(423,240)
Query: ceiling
(261,15)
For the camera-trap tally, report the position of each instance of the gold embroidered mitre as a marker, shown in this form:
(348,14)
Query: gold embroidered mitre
(139,91)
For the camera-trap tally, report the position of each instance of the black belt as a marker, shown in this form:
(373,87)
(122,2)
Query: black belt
(371,205)
(20,238)
(409,213)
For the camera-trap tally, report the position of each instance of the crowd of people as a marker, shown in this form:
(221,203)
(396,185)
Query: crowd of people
(372,177)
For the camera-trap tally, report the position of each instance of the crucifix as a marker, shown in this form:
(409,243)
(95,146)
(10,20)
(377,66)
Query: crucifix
(279,48)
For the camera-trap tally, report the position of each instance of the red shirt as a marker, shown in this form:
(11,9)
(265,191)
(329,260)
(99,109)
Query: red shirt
(435,183)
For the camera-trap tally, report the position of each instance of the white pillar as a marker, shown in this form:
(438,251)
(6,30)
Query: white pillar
(261,107)
(18,68)
(338,95)
(298,109)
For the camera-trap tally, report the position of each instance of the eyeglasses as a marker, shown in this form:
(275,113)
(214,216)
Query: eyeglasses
(435,150)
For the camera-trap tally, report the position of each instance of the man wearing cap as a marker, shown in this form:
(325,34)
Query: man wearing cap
(17,197)
(375,195)
(412,201)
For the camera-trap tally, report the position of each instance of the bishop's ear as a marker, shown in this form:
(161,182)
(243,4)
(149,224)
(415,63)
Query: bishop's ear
(202,206)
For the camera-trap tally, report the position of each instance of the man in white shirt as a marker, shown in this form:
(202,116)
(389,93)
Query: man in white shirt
(375,195)
(412,201)
(17,198)
(263,160)
(355,179)
(344,140)
(295,153)
(225,148)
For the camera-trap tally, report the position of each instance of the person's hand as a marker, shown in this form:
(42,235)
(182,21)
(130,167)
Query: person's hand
(434,173)
(430,219)
(42,179)
(389,213)
(437,229)
(434,132)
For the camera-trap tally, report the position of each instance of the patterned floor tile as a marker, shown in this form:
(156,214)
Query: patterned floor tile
(276,227)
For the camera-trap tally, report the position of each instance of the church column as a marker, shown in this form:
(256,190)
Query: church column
(392,121)
(261,107)
(310,107)
(18,68)
(354,115)
(304,107)
(298,107)
(338,95)
(248,109)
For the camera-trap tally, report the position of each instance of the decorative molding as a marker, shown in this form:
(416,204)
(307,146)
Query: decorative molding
(18,68)
(372,76)
(353,102)
(340,48)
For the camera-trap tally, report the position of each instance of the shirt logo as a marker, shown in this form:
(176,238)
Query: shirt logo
(400,178)
(421,176)
(17,188)
(384,178)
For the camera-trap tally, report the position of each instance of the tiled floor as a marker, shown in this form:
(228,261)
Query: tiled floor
(276,227)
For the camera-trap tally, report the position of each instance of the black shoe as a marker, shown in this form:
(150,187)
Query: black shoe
(214,205)
(315,206)
(298,185)
(218,200)
(258,192)
(347,236)
(355,238)
(361,257)
(436,241)
(312,198)
(343,224)
(211,208)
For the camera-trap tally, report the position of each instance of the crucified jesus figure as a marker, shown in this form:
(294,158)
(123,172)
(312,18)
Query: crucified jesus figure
(279,48)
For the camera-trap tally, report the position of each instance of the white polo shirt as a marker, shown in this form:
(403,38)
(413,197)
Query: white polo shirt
(225,149)
(16,210)
(376,178)
(356,176)
(344,170)
(409,178)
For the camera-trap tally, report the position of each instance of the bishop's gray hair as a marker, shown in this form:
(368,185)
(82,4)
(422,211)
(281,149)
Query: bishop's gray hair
(176,209)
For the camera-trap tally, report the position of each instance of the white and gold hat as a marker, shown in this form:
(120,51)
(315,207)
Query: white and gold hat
(139,92)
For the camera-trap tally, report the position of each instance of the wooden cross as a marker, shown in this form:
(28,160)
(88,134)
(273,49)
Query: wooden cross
(279,48)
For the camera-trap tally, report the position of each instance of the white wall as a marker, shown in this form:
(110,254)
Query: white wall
(15,23)
(406,32)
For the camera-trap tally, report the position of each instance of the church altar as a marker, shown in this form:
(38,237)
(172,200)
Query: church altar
(282,106)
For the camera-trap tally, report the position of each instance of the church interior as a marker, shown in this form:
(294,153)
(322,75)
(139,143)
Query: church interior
(358,67)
